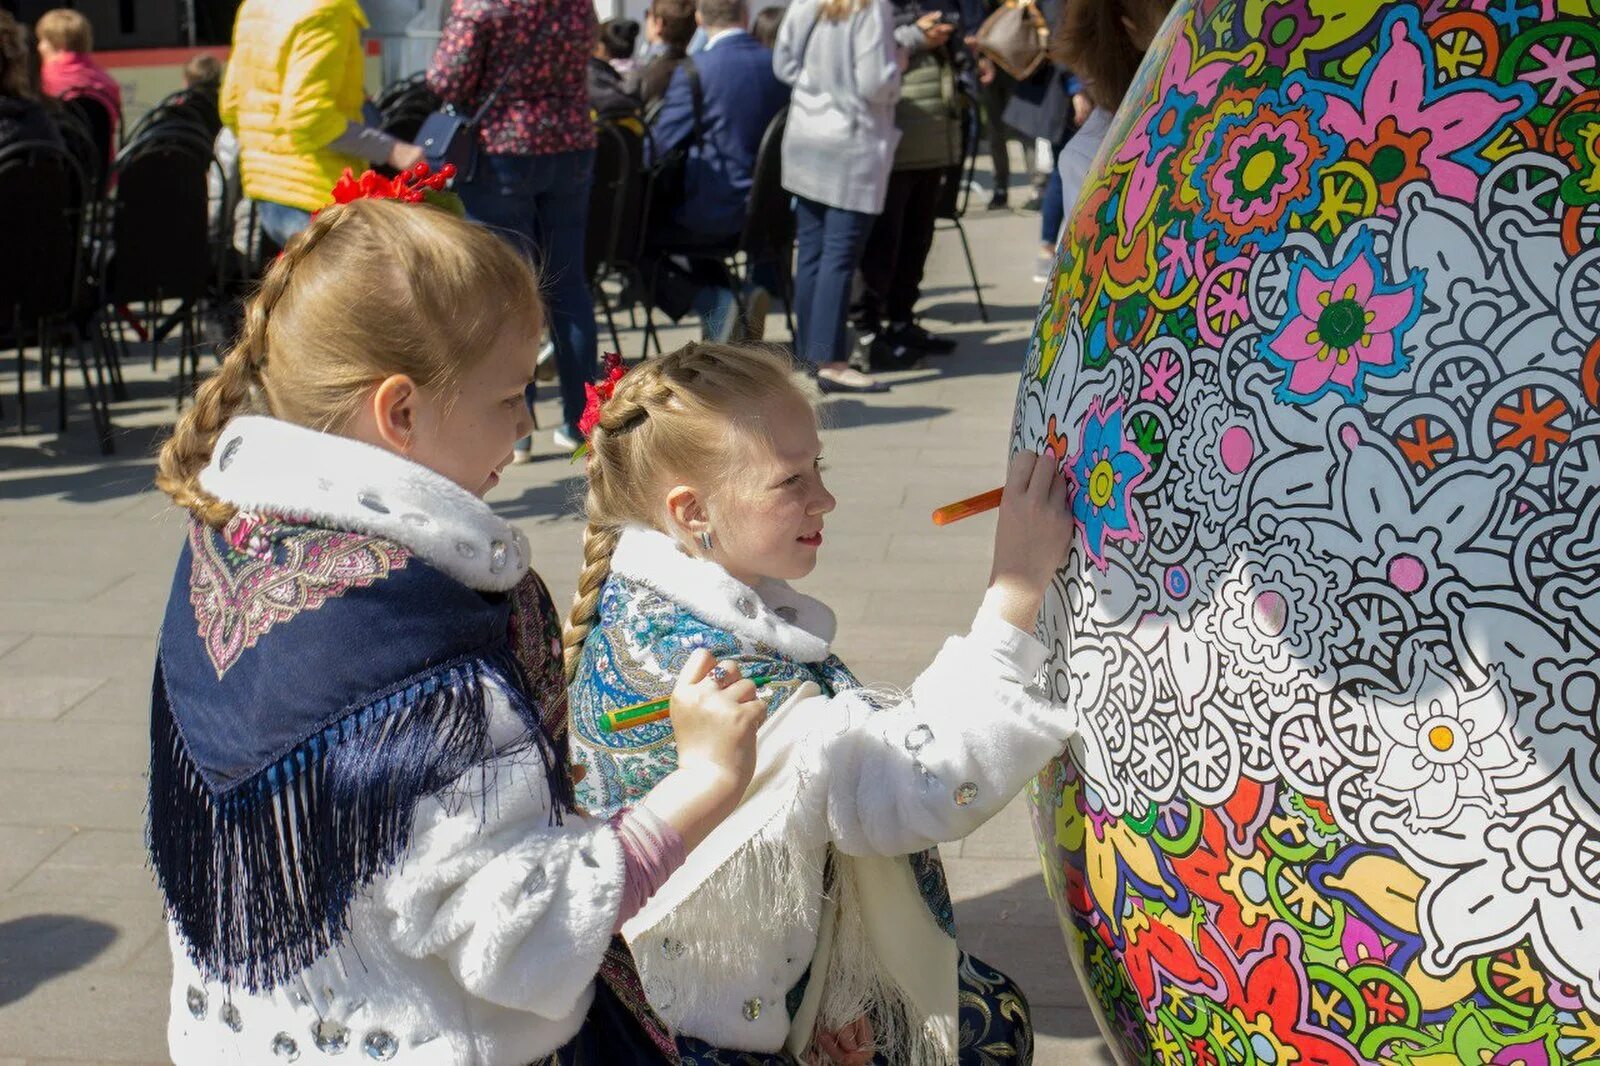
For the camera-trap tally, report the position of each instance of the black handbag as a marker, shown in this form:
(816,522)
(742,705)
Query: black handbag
(669,176)
(449,137)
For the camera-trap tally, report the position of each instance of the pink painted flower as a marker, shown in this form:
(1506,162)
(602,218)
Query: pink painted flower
(1343,323)
(1457,117)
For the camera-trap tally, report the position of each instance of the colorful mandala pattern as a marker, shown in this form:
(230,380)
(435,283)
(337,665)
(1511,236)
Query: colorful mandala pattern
(1322,354)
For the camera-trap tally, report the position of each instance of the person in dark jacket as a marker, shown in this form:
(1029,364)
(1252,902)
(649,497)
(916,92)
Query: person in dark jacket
(718,107)
(933,94)
(22,116)
(765,26)
(669,26)
(610,96)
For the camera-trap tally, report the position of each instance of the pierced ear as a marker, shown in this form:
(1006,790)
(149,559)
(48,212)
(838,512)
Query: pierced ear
(395,411)
(686,512)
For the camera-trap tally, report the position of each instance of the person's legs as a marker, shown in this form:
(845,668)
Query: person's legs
(1052,215)
(809,217)
(561,212)
(922,189)
(844,236)
(994,106)
(498,197)
(881,257)
(279,221)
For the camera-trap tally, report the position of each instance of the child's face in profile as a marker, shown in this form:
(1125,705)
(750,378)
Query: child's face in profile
(767,521)
(468,435)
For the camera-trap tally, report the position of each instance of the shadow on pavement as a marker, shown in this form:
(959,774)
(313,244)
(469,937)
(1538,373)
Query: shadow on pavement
(38,947)
(546,503)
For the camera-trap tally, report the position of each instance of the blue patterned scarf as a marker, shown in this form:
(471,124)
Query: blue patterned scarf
(313,685)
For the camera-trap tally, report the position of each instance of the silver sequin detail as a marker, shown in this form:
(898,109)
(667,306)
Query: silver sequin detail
(229,450)
(330,1037)
(229,1016)
(752,1009)
(380,1044)
(498,555)
(372,502)
(746,605)
(788,614)
(285,1048)
(465,550)
(671,949)
(197,1002)
(966,792)
(919,737)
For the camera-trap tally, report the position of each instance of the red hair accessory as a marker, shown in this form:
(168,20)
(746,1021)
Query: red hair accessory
(600,391)
(418,184)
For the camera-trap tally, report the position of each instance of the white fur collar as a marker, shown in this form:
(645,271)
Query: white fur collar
(772,612)
(268,465)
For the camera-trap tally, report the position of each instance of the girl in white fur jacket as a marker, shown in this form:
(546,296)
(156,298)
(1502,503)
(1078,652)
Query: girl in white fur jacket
(360,812)
(814,922)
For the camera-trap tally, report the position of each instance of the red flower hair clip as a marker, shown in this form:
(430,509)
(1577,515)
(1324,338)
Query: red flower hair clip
(598,392)
(421,183)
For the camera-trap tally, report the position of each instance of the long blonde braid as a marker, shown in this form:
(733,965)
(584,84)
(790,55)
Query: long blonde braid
(686,414)
(231,388)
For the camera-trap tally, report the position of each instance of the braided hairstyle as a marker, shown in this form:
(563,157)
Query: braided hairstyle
(368,290)
(688,414)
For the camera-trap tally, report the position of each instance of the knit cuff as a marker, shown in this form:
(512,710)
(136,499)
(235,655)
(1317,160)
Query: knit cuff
(651,852)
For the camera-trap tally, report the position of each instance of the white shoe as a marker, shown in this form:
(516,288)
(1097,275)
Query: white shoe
(567,442)
(520,455)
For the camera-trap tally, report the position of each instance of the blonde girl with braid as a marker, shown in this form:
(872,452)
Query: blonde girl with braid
(813,923)
(360,812)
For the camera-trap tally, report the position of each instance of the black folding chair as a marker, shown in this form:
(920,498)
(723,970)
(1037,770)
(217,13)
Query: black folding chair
(101,122)
(618,201)
(767,236)
(957,191)
(43,208)
(159,246)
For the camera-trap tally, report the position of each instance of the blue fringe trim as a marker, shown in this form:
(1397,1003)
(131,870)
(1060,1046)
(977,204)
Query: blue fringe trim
(260,878)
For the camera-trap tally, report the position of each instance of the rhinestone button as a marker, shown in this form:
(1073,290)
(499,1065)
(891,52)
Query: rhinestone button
(229,450)
(966,792)
(197,1002)
(372,502)
(746,605)
(671,949)
(381,1045)
(498,554)
(330,1037)
(752,1009)
(918,738)
(465,550)
(787,613)
(285,1048)
(229,1016)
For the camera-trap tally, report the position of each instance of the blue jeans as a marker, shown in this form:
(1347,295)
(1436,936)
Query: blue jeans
(1052,202)
(280,222)
(540,203)
(829,242)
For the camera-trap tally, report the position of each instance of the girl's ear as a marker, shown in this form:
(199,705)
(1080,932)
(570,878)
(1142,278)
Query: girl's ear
(393,411)
(686,512)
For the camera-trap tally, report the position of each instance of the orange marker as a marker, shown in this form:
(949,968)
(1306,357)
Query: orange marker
(955,512)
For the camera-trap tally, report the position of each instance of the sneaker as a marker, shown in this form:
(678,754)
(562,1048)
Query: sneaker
(522,453)
(849,380)
(1043,265)
(878,352)
(568,440)
(756,308)
(545,369)
(913,336)
(998,201)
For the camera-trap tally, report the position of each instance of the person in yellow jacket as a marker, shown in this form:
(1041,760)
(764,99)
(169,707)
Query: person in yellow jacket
(293,94)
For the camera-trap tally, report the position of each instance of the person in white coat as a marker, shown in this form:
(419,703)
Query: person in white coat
(816,918)
(844,63)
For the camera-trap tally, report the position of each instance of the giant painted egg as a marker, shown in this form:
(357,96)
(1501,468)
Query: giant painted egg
(1321,356)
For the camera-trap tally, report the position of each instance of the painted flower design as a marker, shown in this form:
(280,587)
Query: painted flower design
(1262,166)
(1105,471)
(1446,746)
(1399,96)
(1343,323)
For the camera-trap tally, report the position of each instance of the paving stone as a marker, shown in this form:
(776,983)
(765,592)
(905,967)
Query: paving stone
(69,746)
(43,697)
(112,862)
(95,1017)
(24,847)
(93,800)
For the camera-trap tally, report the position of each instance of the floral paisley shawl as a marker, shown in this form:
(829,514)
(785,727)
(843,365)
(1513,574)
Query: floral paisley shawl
(640,641)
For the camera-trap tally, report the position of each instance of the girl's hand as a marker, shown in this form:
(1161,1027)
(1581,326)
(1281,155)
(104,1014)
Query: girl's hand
(1031,537)
(854,1045)
(935,31)
(715,715)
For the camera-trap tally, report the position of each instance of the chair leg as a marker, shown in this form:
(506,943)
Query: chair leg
(22,373)
(972,269)
(99,407)
(111,358)
(611,323)
(61,377)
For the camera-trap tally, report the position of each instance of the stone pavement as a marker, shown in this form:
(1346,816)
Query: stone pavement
(86,554)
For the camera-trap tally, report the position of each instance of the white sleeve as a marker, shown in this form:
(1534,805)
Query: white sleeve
(941,762)
(520,909)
